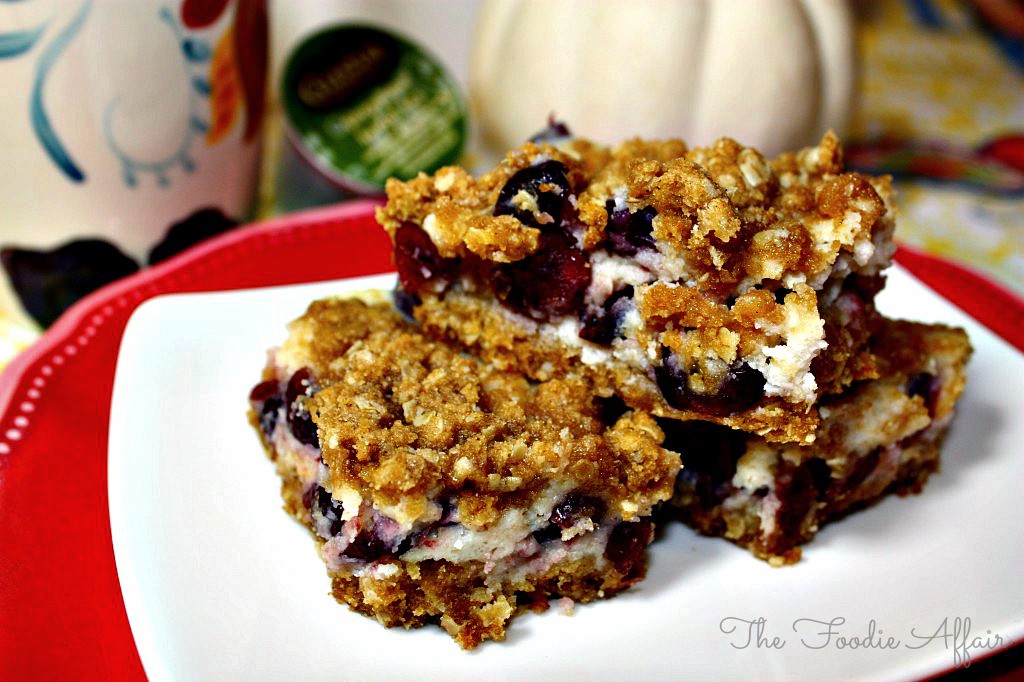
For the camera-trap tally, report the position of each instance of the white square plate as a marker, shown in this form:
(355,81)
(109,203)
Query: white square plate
(219,583)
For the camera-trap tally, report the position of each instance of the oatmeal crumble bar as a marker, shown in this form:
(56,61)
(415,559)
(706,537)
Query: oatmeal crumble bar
(707,283)
(441,489)
(878,437)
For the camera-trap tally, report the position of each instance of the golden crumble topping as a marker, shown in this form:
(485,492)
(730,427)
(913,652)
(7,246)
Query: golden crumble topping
(727,215)
(404,419)
(443,490)
(461,206)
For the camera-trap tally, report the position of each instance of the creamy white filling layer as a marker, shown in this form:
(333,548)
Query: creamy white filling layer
(517,568)
(459,544)
(787,366)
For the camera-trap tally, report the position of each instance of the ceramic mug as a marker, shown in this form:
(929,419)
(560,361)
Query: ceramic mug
(119,119)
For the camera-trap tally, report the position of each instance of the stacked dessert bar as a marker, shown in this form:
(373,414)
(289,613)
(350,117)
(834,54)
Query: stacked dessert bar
(728,295)
(705,284)
(591,335)
(442,489)
(877,436)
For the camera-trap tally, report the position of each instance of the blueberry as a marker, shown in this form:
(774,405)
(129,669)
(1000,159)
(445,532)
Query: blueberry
(448,512)
(418,262)
(416,538)
(627,233)
(545,184)
(330,509)
(927,386)
(626,545)
(301,386)
(269,414)
(266,400)
(862,468)
(601,325)
(741,389)
(549,283)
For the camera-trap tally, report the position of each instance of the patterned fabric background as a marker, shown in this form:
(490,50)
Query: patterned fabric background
(941,107)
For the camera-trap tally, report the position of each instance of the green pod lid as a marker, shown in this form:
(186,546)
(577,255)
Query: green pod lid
(363,105)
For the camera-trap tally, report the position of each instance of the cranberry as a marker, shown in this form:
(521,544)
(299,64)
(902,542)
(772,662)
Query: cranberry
(741,389)
(546,183)
(300,387)
(626,545)
(626,233)
(548,283)
(420,266)
(927,386)
(567,513)
(601,325)
(264,391)
(367,546)
(708,452)
(575,507)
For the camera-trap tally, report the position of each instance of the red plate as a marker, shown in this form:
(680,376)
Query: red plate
(60,601)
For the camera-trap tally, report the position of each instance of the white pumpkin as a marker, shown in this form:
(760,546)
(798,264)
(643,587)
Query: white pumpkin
(774,74)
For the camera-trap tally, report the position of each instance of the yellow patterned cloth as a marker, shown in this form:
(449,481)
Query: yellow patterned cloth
(948,74)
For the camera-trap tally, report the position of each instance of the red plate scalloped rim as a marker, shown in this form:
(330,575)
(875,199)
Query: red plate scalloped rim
(60,601)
